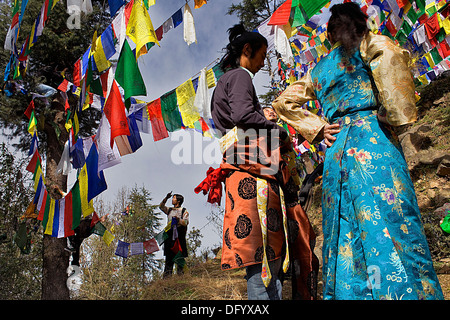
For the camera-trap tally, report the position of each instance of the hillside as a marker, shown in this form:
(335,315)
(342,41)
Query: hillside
(426,145)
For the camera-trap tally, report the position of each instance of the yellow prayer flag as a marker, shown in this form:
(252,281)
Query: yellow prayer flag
(210,78)
(446,25)
(185,97)
(423,79)
(51,214)
(76,123)
(151,2)
(100,57)
(108,237)
(32,124)
(86,207)
(140,28)
(429,59)
(37,176)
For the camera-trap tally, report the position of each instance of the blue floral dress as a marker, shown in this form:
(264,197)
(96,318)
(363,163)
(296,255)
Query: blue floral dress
(374,244)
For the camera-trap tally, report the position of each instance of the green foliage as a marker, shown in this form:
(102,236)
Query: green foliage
(107,276)
(252,12)
(20,274)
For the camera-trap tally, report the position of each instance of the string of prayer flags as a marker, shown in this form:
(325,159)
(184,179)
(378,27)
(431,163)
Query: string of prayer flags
(128,75)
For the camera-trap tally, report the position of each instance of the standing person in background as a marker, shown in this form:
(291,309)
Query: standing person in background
(374,245)
(178,217)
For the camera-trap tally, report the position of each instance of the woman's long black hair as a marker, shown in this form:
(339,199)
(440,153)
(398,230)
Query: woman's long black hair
(347,25)
(238,37)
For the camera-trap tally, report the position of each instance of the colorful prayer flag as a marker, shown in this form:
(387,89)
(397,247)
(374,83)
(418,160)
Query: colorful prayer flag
(155,116)
(128,75)
(114,110)
(185,97)
(140,27)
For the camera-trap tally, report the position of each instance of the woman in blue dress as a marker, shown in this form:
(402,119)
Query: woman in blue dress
(374,245)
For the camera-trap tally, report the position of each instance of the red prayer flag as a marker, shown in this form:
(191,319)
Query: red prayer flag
(281,15)
(432,26)
(151,246)
(44,202)
(68,216)
(115,113)
(29,109)
(156,119)
(34,160)
(77,73)
(63,86)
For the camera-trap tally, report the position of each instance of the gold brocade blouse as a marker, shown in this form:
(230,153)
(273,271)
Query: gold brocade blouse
(380,59)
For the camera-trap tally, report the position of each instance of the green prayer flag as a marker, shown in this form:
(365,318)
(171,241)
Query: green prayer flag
(128,75)
(217,71)
(299,18)
(445,225)
(179,259)
(435,55)
(170,112)
(312,7)
(99,229)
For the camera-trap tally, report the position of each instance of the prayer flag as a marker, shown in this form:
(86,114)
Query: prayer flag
(68,216)
(177,18)
(115,5)
(185,97)
(140,27)
(30,108)
(48,217)
(128,75)
(76,205)
(136,248)
(114,110)
(96,179)
(86,206)
(155,116)
(282,14)
(108,237)
(151,246)
(201,101)
(170,111)
(34,162)
(32,124)
(199,3)
(107,156)
(122,249)
(188,26)
(99,229)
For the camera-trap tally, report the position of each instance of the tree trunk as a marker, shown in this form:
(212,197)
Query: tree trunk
(55,258)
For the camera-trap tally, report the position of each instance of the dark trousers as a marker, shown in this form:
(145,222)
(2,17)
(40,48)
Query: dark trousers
(168,265)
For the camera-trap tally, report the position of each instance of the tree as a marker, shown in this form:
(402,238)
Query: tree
(20,273)
(251,14)
(56,50)
(107,276)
